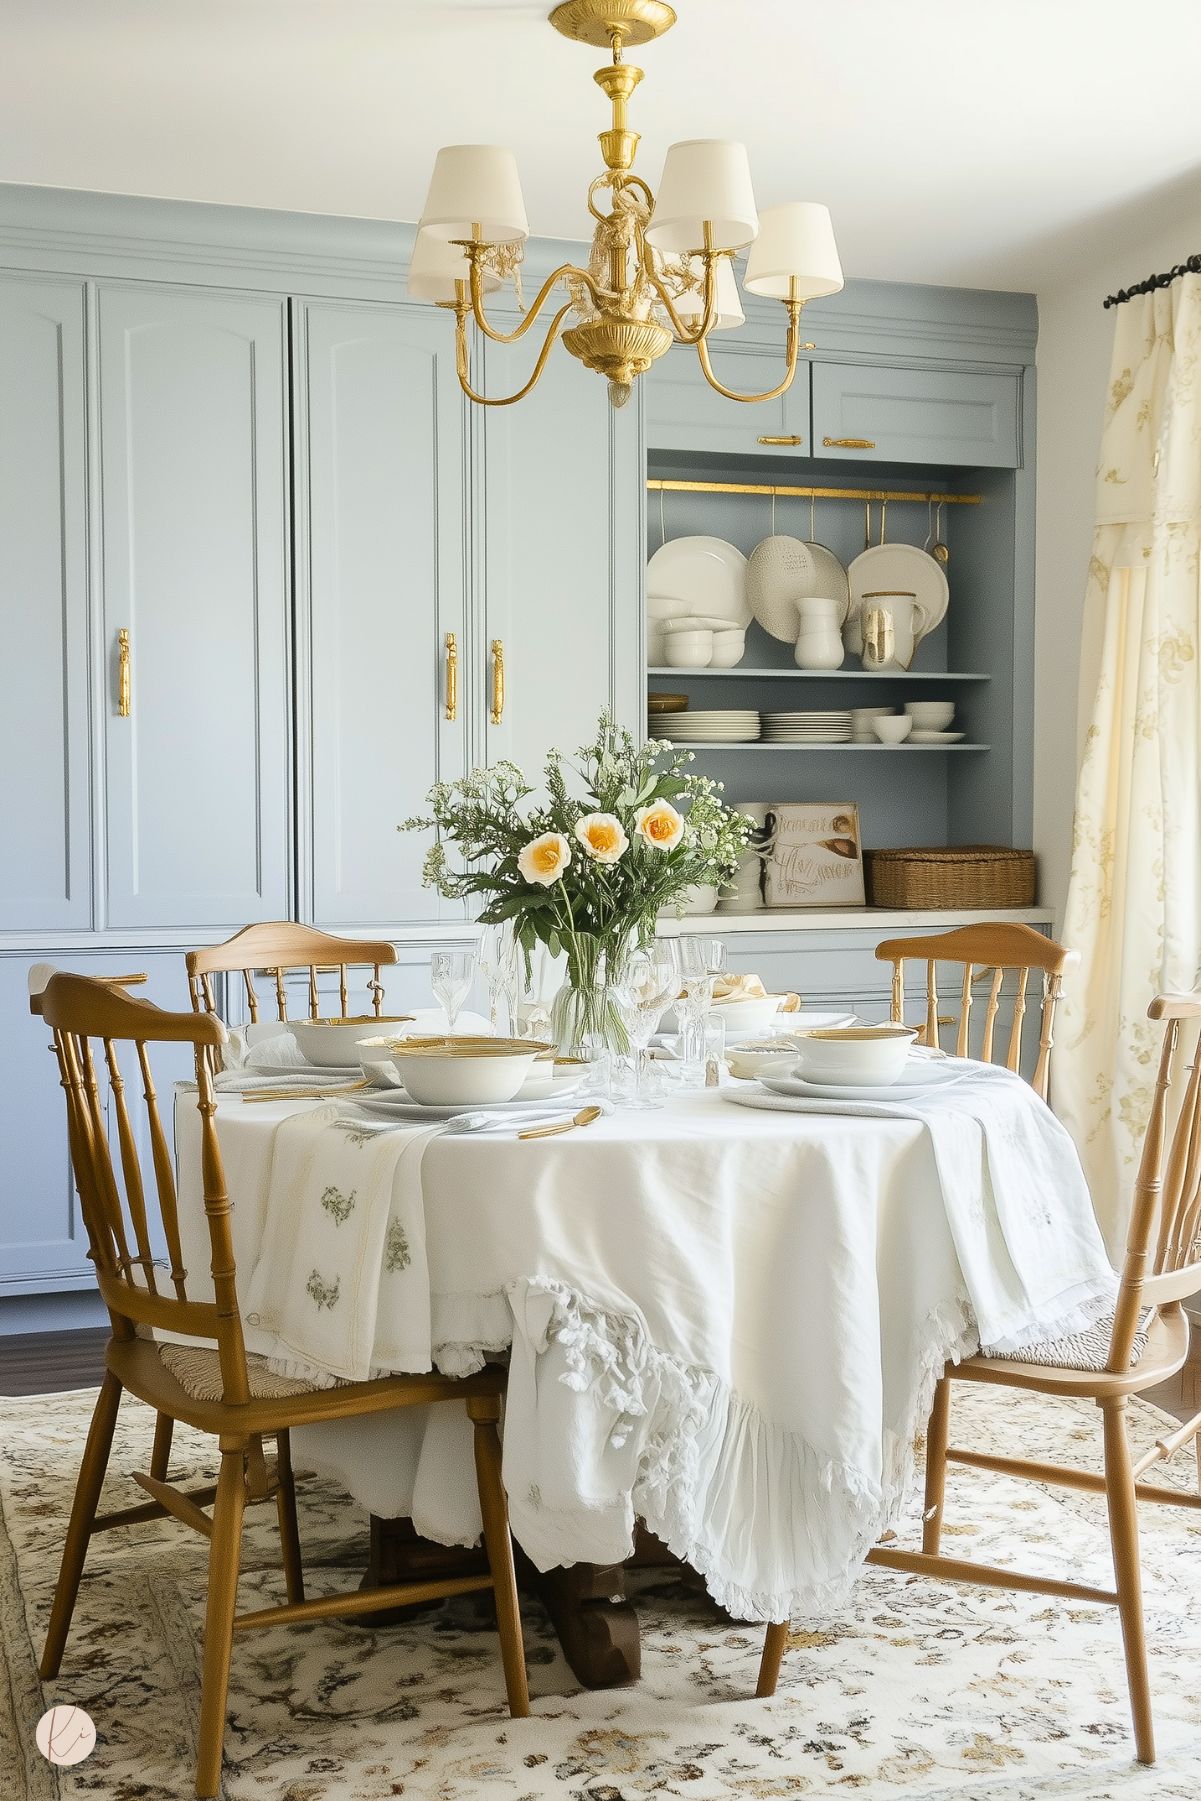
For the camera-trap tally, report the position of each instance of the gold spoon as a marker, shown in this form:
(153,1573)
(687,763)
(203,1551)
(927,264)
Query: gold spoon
(938,550)
(584,1117)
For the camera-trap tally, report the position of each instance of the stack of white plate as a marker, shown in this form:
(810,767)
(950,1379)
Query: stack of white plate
(706,726)
(807,728)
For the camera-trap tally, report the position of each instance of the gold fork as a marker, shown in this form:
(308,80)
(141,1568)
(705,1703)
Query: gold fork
(302,1094)
(584,1117)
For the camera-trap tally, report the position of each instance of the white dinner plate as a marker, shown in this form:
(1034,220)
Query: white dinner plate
(396,1104)
(917,1079)
(703,576)
(904,569)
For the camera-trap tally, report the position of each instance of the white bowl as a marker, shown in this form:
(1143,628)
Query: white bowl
(931,715)
(873,1056)
(729,648)
(892,728)
(752,1062)
(656,643)
(465,1072)
(334,1043)
(689,650)
(747,1017)
(700,899)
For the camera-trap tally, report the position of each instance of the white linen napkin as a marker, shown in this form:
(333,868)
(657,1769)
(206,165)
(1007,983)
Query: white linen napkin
(341,1286)
(1016,1200)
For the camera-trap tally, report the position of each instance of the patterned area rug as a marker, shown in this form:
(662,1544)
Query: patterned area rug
(921,1690)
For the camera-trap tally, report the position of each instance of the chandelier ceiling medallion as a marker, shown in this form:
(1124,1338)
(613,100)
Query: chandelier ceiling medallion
(661,267)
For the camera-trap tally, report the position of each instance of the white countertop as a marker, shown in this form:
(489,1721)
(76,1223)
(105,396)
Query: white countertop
(841,919)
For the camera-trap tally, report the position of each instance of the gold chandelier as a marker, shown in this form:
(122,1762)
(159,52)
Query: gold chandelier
(661,268)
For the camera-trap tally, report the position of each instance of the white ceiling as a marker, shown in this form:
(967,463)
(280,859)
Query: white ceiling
(959,141)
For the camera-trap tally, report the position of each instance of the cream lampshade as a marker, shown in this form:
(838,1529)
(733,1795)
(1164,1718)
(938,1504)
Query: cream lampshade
(728,313)
(704,180)
(436,265)
(795,243)
(476,184)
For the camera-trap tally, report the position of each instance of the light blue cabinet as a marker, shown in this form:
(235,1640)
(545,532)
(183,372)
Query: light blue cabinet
(874,413)
(561,492)
(683,413)
(45,871)
(193,473)
(382,536)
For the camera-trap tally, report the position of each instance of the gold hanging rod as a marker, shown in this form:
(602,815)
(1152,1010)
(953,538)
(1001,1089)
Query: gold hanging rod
(779,492)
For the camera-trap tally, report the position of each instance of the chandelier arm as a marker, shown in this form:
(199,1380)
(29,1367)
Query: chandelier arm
(686,334)
(794,345)
(463,354)
(474,255)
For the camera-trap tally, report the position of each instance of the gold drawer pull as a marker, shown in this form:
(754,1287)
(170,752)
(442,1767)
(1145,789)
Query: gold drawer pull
(849,443)
(452,676)
(794,439)
(498,680)
(124,688)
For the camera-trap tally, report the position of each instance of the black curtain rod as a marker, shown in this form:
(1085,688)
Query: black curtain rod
(1191,267)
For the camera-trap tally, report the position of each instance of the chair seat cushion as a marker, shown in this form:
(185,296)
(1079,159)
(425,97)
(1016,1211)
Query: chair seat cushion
(198,1372)
(1087,1350)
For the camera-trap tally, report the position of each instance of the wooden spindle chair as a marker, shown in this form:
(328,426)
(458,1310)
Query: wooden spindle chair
(280,946)
(986,950)
(1146,1343)
(91,1022)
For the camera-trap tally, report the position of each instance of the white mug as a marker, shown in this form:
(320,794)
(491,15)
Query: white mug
(819,637)
(893,625)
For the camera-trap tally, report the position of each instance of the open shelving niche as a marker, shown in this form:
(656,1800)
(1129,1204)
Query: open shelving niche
(934,794)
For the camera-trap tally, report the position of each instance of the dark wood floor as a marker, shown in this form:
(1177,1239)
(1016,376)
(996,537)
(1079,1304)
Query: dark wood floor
(38,1363)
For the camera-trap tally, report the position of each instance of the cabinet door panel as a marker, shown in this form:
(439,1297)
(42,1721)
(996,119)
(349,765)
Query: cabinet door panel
(685,413)
(915,415)
(193,467)
(563,560)
(386,576)
(45,874)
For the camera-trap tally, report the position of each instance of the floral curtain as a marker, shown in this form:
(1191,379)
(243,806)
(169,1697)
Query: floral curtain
(1134,902)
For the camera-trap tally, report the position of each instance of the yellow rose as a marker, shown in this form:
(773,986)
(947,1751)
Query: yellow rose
(602,836)
(544,859)
(659,826)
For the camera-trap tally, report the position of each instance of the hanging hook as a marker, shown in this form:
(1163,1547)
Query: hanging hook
(662,520)
(867,524)
(812,517)
(773,512)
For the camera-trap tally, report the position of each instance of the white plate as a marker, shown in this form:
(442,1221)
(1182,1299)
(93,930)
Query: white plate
(900,568)
(703,575)
(935,737)
(399,1105)
(917,1080)
(780,572)
(830,577)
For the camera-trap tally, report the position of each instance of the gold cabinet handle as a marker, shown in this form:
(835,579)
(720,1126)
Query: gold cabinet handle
(498,681)
(452,676)
(849,443)
(124,696)
(793,439)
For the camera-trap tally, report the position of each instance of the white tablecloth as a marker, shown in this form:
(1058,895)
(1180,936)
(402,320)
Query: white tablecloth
(727,1322)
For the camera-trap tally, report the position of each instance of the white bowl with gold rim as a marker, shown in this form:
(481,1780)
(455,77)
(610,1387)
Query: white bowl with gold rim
(465,1072)
(334,1043)
(850,1056)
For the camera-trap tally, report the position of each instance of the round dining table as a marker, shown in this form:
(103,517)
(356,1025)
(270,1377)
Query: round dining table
(723,1321)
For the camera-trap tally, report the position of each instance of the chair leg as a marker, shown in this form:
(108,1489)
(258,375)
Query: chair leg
(160,1456)
(484,1413)
(1123,1532)
(773,1656)
(224,1555)
(936,1467)
(289,1530)
(79,1529)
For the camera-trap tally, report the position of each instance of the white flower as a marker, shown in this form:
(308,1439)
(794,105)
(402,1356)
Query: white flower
(544,859)
(602,836)
(659,825)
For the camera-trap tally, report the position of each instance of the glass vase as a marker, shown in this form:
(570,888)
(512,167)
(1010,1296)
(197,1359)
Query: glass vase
(585,1019)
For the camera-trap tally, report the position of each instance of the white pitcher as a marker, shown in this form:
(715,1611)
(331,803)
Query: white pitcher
(893,626)
(819,636)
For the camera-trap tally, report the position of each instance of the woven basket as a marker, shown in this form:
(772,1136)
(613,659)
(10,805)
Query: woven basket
(967,875)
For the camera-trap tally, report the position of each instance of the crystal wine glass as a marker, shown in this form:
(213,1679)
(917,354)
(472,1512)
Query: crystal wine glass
(701,960)
(451,976)
(649,980)
(499,964)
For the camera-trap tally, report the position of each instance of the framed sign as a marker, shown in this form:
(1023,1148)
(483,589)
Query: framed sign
(815,857)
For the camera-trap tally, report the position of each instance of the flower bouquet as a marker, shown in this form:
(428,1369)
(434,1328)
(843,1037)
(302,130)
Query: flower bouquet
(585,865)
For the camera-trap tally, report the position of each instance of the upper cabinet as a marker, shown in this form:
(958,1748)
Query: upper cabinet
(381,460)
(45,875)
(942,416)
(193,466)
(563,556)
(684,413)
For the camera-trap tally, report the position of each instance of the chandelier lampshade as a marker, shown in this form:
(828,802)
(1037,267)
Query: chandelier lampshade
(660,269)
(475,191)
(705,182)
(795,244)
